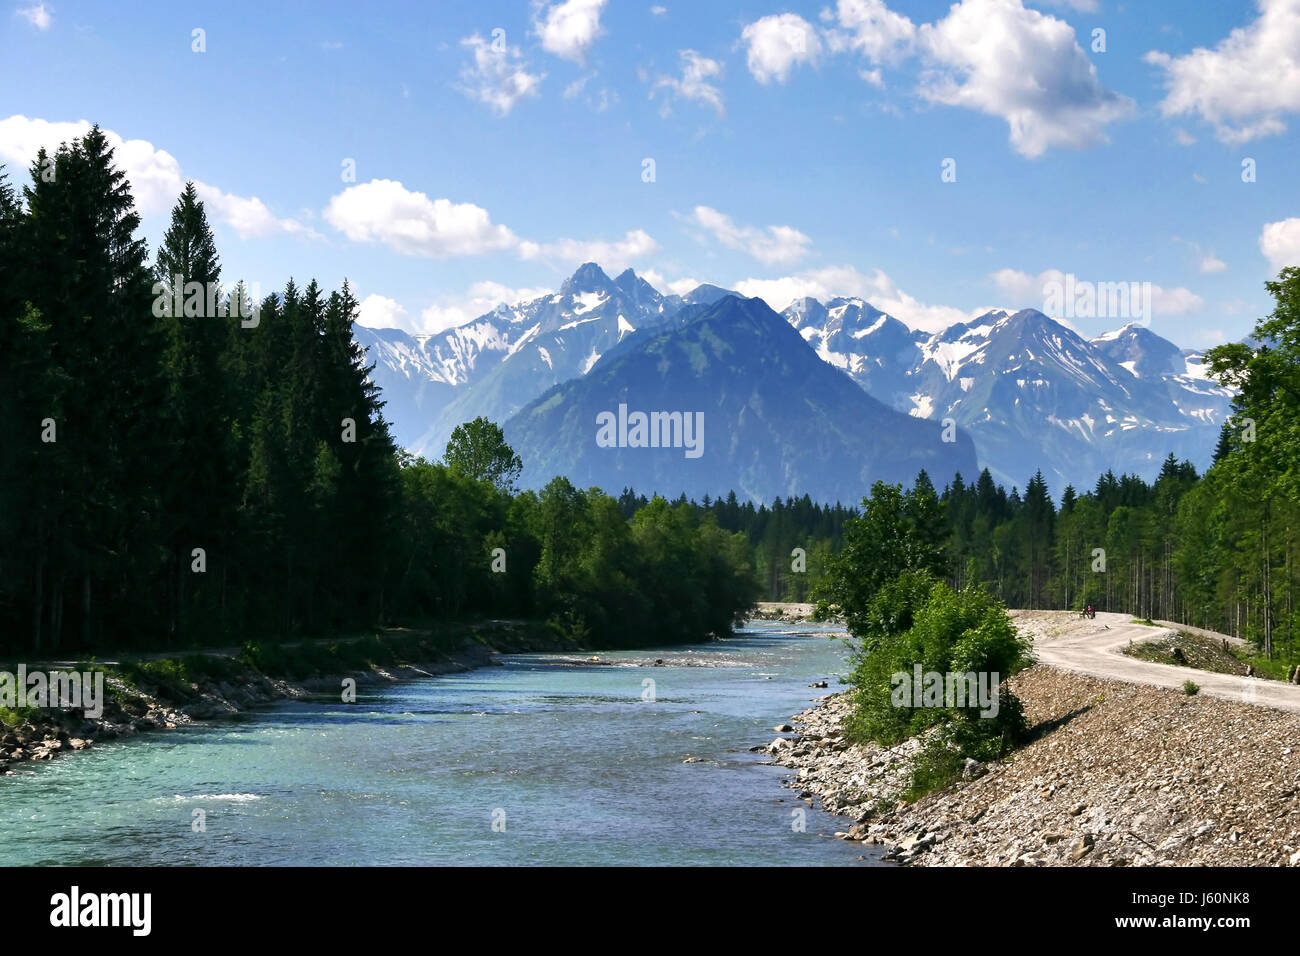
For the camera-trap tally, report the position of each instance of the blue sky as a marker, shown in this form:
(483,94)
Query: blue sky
(797,148)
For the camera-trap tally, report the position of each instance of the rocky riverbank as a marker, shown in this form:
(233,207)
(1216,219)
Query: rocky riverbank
(142,705)
(782,611)
(1115,774)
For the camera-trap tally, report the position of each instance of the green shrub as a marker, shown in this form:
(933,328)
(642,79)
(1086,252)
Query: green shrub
(935,766)
(15,716)
(1191,687)
(947,632)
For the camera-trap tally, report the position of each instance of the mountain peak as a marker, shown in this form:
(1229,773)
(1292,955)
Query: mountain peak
(589,278)
(706,294)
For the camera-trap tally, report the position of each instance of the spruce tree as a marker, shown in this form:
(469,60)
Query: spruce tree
(99,482)
(198,505)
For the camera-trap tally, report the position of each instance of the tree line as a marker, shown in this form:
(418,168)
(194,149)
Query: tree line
(181,465)
(1219,551)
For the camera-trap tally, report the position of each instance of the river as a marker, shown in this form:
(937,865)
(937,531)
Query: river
(547,759)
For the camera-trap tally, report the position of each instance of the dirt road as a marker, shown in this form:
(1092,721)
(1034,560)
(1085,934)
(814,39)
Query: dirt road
(1095,647)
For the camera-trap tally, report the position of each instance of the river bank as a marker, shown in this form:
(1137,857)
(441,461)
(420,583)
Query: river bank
(163,693)
(1115,774)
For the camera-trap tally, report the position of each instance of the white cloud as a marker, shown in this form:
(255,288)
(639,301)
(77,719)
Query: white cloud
(1027,291)
(383,210)
(693,85)
(38,15)
(498,77)
(568,29)
(658,11)
(777,44)
(599,100)
(1184,138)
(1246,84)
(993,56)
(409,222)
(154,174)
(1211,264)
(480,298)
(1280,243)
(676,286)
(613,256)
(603,99)
(879,289)
(1178,301)
(776,245)
(381,312)
(873,30)
(1035,76)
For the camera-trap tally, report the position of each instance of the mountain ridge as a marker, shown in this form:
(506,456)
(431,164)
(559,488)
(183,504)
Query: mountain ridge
(1032,392)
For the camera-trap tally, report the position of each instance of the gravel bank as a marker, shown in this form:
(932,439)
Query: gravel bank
(1117,774)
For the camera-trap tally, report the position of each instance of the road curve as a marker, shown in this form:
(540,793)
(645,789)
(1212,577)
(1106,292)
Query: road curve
(1095,647)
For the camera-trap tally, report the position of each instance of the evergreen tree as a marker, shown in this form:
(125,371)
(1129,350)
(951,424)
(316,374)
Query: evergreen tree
(198,501)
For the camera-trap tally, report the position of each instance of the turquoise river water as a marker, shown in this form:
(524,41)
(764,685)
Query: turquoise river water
(548,759)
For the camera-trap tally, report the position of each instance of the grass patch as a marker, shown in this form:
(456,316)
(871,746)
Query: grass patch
(16,716)
(1191,688)
(1209,654)
(935,766)
(1279,668)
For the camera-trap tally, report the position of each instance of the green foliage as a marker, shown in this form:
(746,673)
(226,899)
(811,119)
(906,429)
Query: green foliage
(896,533)
(952,632)
(478,450)
(936,765)
(17,716)
(1191,687)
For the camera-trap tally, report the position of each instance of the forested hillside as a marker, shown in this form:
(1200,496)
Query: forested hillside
(180,466)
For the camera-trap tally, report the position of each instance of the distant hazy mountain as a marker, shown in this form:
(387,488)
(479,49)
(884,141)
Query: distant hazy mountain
(1031,393)
(776,419)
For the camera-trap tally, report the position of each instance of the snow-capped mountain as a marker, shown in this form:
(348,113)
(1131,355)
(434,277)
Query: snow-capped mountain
(498,363)
(421,374)
(769,418)
(1033,393)
(876,349)
(564,336)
